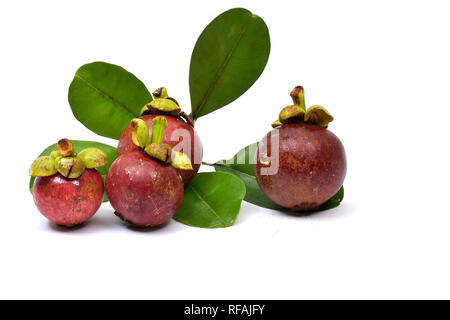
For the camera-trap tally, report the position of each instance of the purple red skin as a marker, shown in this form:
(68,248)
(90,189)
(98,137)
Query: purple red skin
(312,167)
(69,202)
(126,145)
(142,190)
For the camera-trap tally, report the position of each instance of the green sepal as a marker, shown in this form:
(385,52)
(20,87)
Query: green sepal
(160,93)
(181,161)
(159,124)
(164,105)
(43,166)
(55,154)
(291,114)
(160,151)
(139,132)
(276,123)
(93,158)
(318,115)
(70,167)
(144,109)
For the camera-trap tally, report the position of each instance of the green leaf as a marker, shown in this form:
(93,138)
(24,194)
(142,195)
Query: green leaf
(105,97)
(243,160)
(211,200)
(111,154)
(241,165)
(334,201)
(227,59)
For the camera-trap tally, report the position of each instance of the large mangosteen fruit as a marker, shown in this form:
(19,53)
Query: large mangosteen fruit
(68,190)
(179,133)
(300,164)
(144,187)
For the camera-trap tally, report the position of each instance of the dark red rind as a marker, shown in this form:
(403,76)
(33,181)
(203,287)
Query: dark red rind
(312,166)
(69,202)
(126,145)
(142,190)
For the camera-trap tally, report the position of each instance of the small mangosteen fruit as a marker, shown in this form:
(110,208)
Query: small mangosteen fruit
(300,164)
(68,190)
(179,133)
(144,187)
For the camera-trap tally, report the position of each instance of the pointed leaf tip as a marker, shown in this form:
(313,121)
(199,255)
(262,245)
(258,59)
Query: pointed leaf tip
(228,57)
(105,97)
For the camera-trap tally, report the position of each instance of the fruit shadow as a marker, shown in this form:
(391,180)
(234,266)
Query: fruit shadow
(343,208)
(250,211)
(145,229)
(104,219)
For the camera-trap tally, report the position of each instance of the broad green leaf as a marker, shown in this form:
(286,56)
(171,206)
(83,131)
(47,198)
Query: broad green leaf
(111,154)
(105,97)
(211,200)
(241,165)
(227,59)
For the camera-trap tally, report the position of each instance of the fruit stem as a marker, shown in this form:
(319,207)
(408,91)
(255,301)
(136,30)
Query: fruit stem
(298,97)
(187,118)
(65,147)
(158,126)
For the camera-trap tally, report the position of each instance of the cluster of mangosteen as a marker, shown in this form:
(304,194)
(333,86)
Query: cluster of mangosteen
(145,184)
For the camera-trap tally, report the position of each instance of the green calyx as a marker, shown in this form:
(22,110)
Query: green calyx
(318,115)
(160,151)
(165,105)
(154,146)
(68,163)
(43,166)
(297,112)
(160,93)
(159,124)
(92,158)
(139,132)
(70,167)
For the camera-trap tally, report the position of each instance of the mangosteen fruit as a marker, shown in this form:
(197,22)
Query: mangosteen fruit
(179,133)
(68,190)
(145,187)
(300,164)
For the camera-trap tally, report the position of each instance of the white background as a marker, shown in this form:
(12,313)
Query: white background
(381,67)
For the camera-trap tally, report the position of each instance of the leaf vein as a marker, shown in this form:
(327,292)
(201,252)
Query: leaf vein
(233,169)
(207,205)
(221,69)
(104,94)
